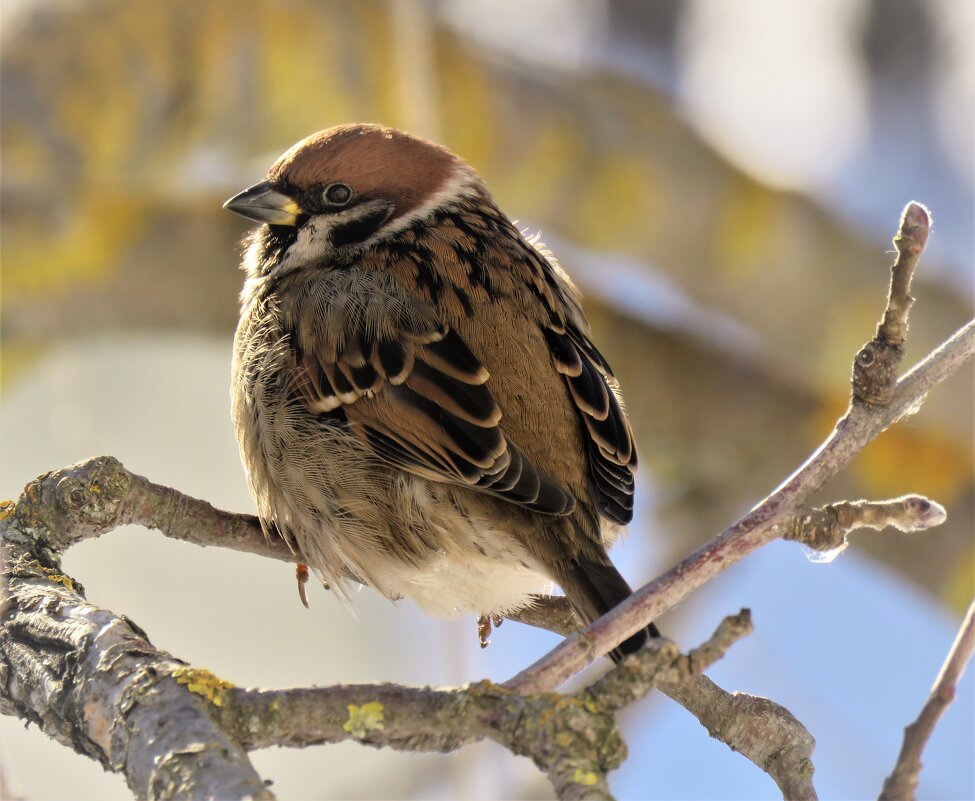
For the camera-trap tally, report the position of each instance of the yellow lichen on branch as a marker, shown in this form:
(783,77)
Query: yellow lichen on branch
(584,777)
(59,578)
(203,682)
(364,719)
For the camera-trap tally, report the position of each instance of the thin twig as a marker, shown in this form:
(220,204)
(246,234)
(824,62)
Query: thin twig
(631,680)
(875,366)
(548,612)
(863,421)
(91,498)
(912,236)
(901,785)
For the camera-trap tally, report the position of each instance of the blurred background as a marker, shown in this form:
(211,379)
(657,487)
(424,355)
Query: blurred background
(721,177)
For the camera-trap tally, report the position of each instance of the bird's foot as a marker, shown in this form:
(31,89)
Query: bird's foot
(484,630)
(484,623)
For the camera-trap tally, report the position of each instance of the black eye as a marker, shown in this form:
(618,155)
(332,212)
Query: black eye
(337,194)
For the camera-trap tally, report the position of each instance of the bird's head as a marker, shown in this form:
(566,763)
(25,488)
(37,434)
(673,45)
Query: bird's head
(343,188)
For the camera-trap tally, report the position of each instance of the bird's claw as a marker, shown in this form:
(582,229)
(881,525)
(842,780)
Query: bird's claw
(301,574)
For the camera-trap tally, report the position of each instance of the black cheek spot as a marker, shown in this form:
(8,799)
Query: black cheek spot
(361,228)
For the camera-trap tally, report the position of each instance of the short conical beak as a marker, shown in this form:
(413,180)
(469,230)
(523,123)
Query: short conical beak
(263,204)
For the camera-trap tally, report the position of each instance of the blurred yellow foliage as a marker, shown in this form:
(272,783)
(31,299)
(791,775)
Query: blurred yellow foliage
(18,357)
(538,177)
(40,256)
(959,584)
(745,225)
(470,107)
(620,196)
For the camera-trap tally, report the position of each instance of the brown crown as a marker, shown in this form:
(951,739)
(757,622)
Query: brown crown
(374,160)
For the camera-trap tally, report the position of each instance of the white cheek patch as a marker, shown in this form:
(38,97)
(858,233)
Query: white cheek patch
(312,244)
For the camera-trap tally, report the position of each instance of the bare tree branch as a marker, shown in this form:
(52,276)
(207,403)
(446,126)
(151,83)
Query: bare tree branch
(100,494)
(901,785)
(91,498)
(762,731)
(776,514)
(91,680)
(571,738)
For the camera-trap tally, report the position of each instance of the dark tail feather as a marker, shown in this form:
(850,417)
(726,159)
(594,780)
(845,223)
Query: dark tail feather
(593,589)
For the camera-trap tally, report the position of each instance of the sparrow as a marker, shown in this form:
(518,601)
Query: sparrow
(417,401)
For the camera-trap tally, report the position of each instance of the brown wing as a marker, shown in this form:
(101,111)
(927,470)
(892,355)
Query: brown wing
(422,400)
(607,436)
(611,450)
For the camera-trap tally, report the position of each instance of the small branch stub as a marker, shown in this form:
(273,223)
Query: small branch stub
(875,366)
(631,680)
(910,240)
(826,528)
